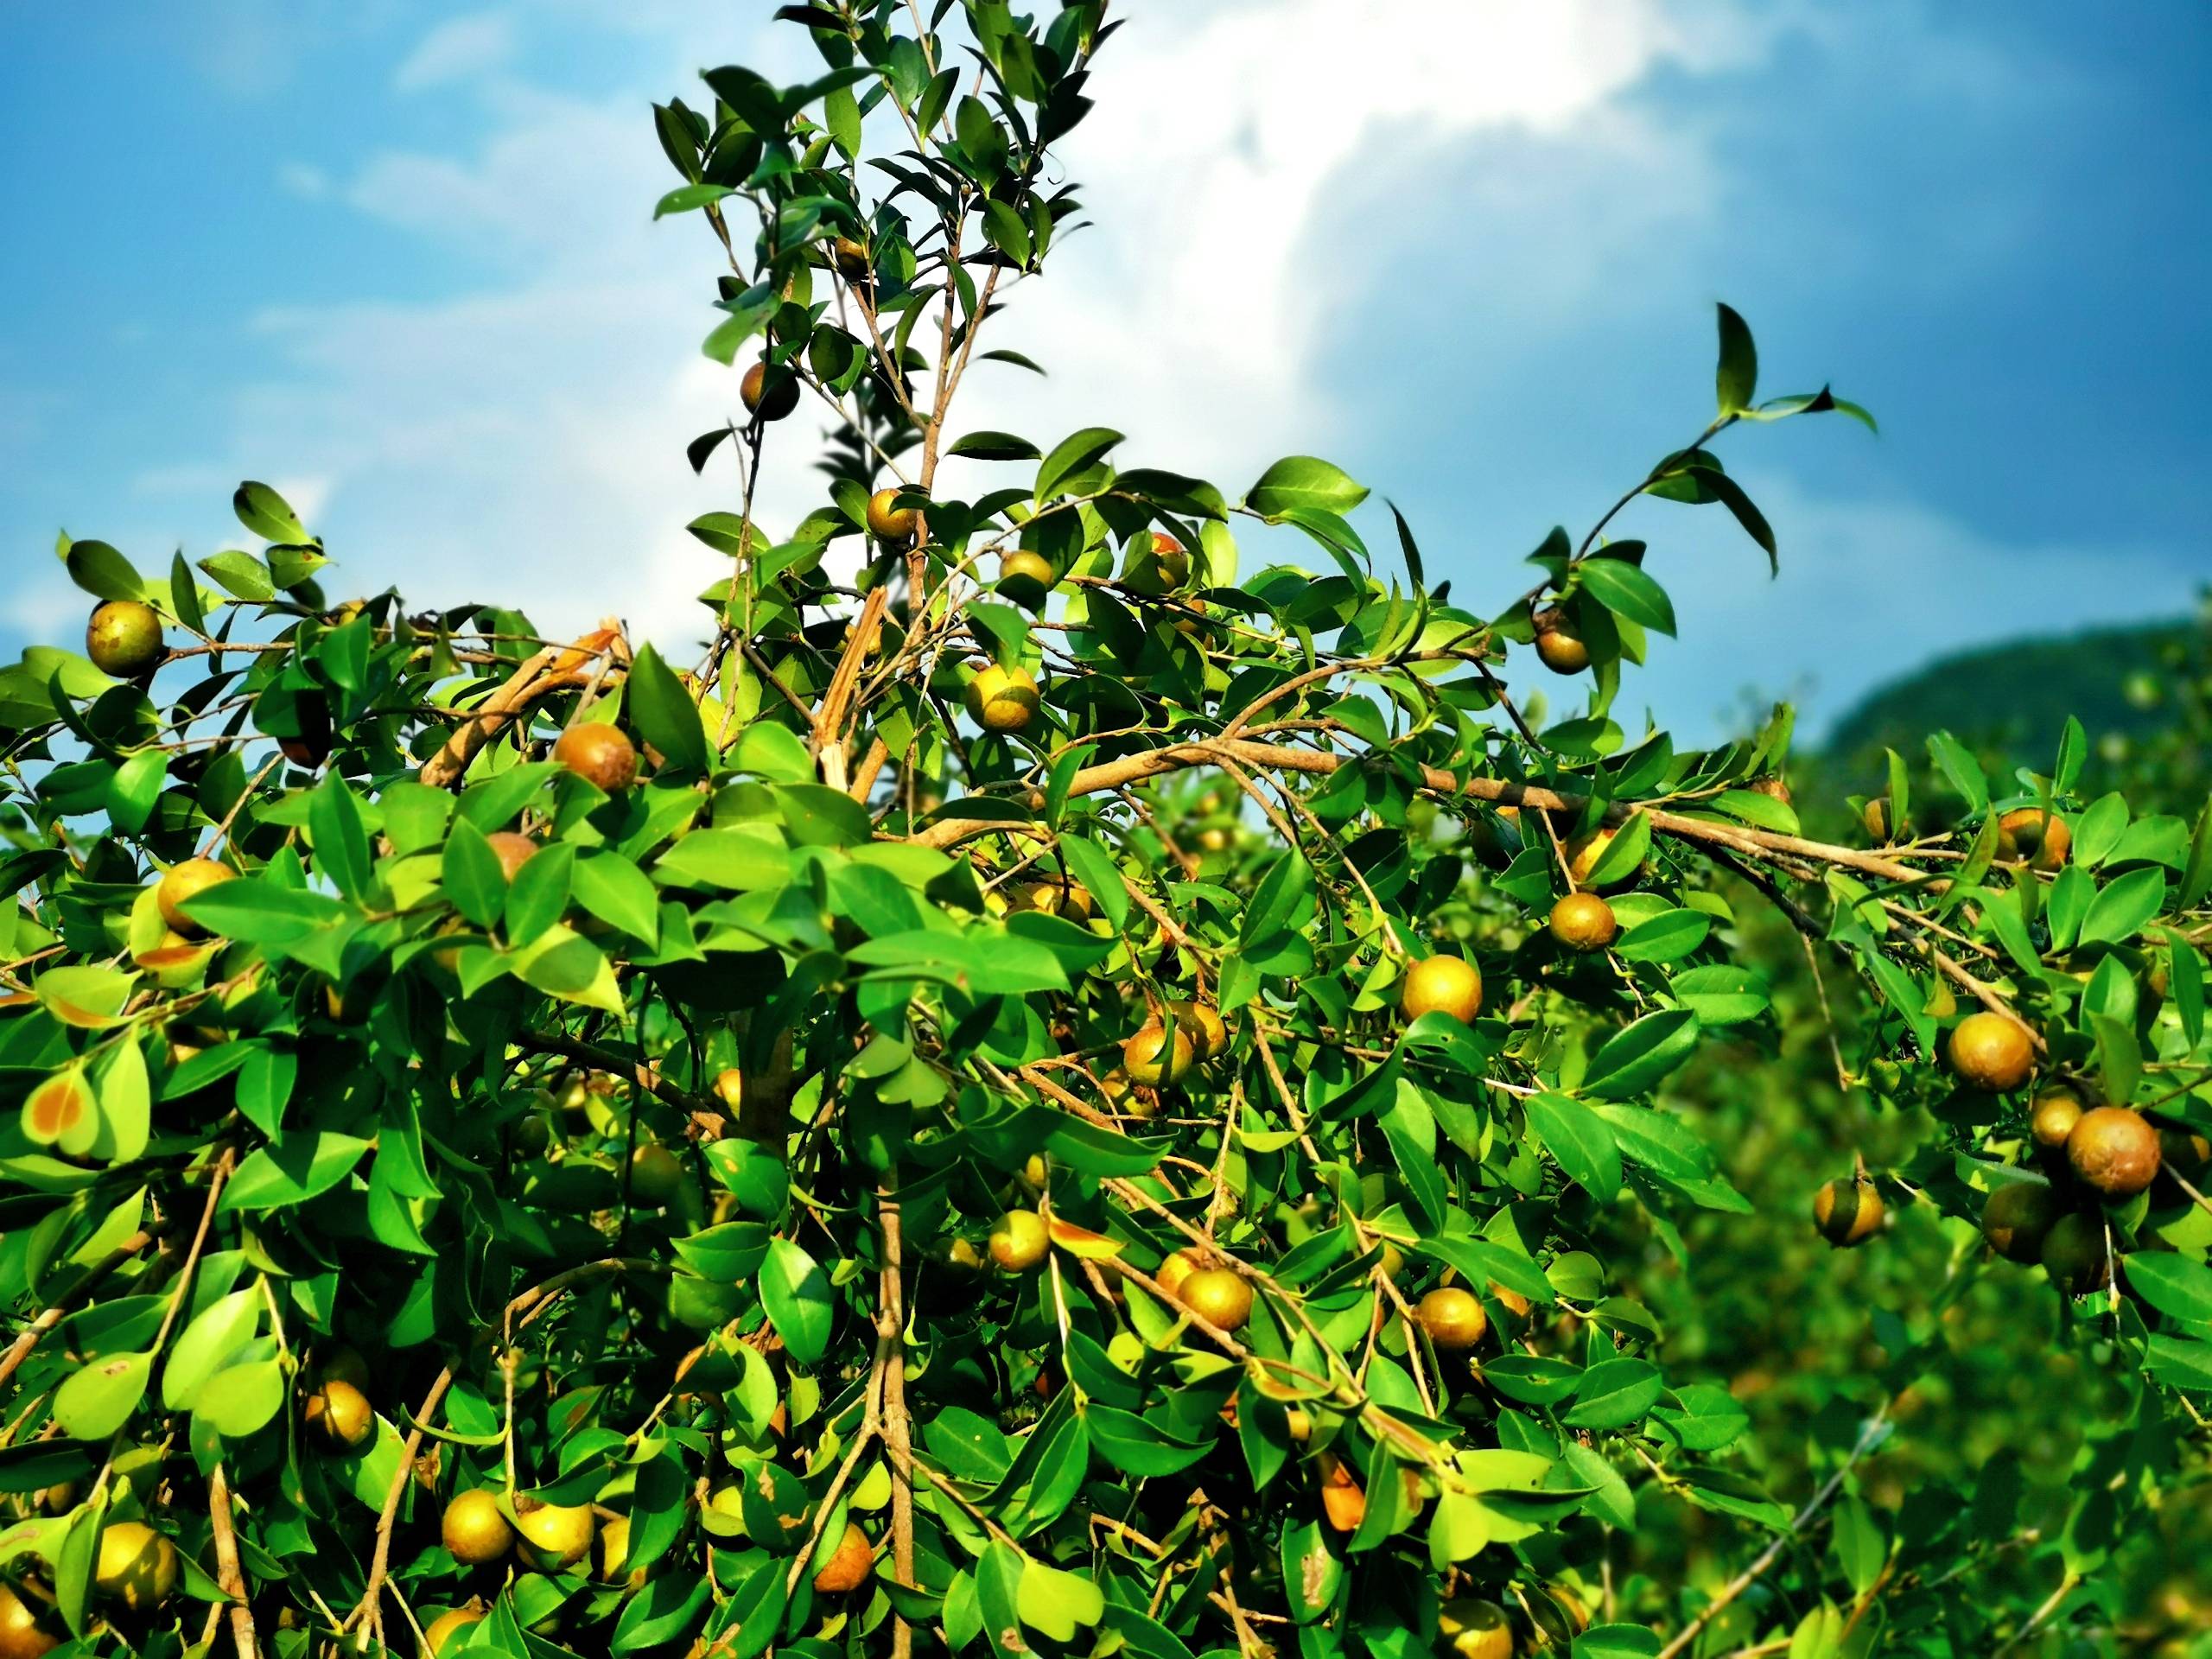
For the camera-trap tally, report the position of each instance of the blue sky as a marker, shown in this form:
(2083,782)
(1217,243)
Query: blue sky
(397,259)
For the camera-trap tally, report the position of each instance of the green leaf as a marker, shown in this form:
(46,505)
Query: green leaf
(995,445)
(1753,808)
(184,596)
(1634,1060)
(205,1346)
(95,1399)
(2196,875)
(2171,1283)
(796,1294)
(135,788)
(614,890)
(1668,937)
(1614,1393)
(1628,590)
(664,714)
(1726,1492)
(2180,1362)
(1580,1141)
(1313,1575)
(307,1163)
(103,572)
(1704,1416)
(471,874)
(736,859)
(1075,454)
(1624,853)
(87,997)
(1753,521)
(1736,378)
(267,514)
(241,575)
(243,1399)
(1057,1602)
(258,911)
(1616,1642)
(1962,768)
(2123,906)
(341,844)
(1304,482)
(1480,1261)
(1007,231)
(688,198)
(562,963)
(1720,994)
(727,533)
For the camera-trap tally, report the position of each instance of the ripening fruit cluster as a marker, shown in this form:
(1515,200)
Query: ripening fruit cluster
(2091,1156)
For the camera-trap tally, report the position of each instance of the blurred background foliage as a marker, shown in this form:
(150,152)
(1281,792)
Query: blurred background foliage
(1801,1333)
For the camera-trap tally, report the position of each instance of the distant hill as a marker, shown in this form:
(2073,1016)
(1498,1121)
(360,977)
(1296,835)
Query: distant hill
(2013,698)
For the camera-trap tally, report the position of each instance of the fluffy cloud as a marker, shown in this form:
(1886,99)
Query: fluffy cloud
(457,49)
(537,426)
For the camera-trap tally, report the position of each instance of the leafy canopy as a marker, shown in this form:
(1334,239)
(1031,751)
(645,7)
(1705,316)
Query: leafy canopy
(1031,1101)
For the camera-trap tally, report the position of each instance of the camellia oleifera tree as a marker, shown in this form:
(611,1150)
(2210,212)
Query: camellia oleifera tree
(1087,1083)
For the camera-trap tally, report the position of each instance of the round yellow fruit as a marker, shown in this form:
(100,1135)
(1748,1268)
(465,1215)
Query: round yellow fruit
(1991,1052)
(513,851)
(27,1629)
(1073,901)
(1025,575)
(475,1532)
(1442,985)
(1452,1316)
(615,1553)
(2018,1218)
(600,754)
(137,1566)
(556,1536)
(1176,1269)
(2039,838)
(123,638)
(1203,1023)
(342,1363)
(1020,1241)
(1475,1630)
(339,1417)
(2074,1254)
(1158,1054)
(656,1175)
(851,1565)
(1583,853)
(1156,566)
(2114,1151)
(1003,699)
(442,1629)
(1848,1212)
(2054,1117)
(1557,644)
(187,879)
(769,403)
(1218,1296)
(1583,921)
(889,522)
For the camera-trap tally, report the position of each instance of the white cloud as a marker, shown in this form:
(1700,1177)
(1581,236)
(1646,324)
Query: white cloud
(1257,173)
(307,183)
(1258,176)
(457,49)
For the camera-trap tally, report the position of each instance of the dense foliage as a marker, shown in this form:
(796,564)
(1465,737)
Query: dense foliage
(1088,1083)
